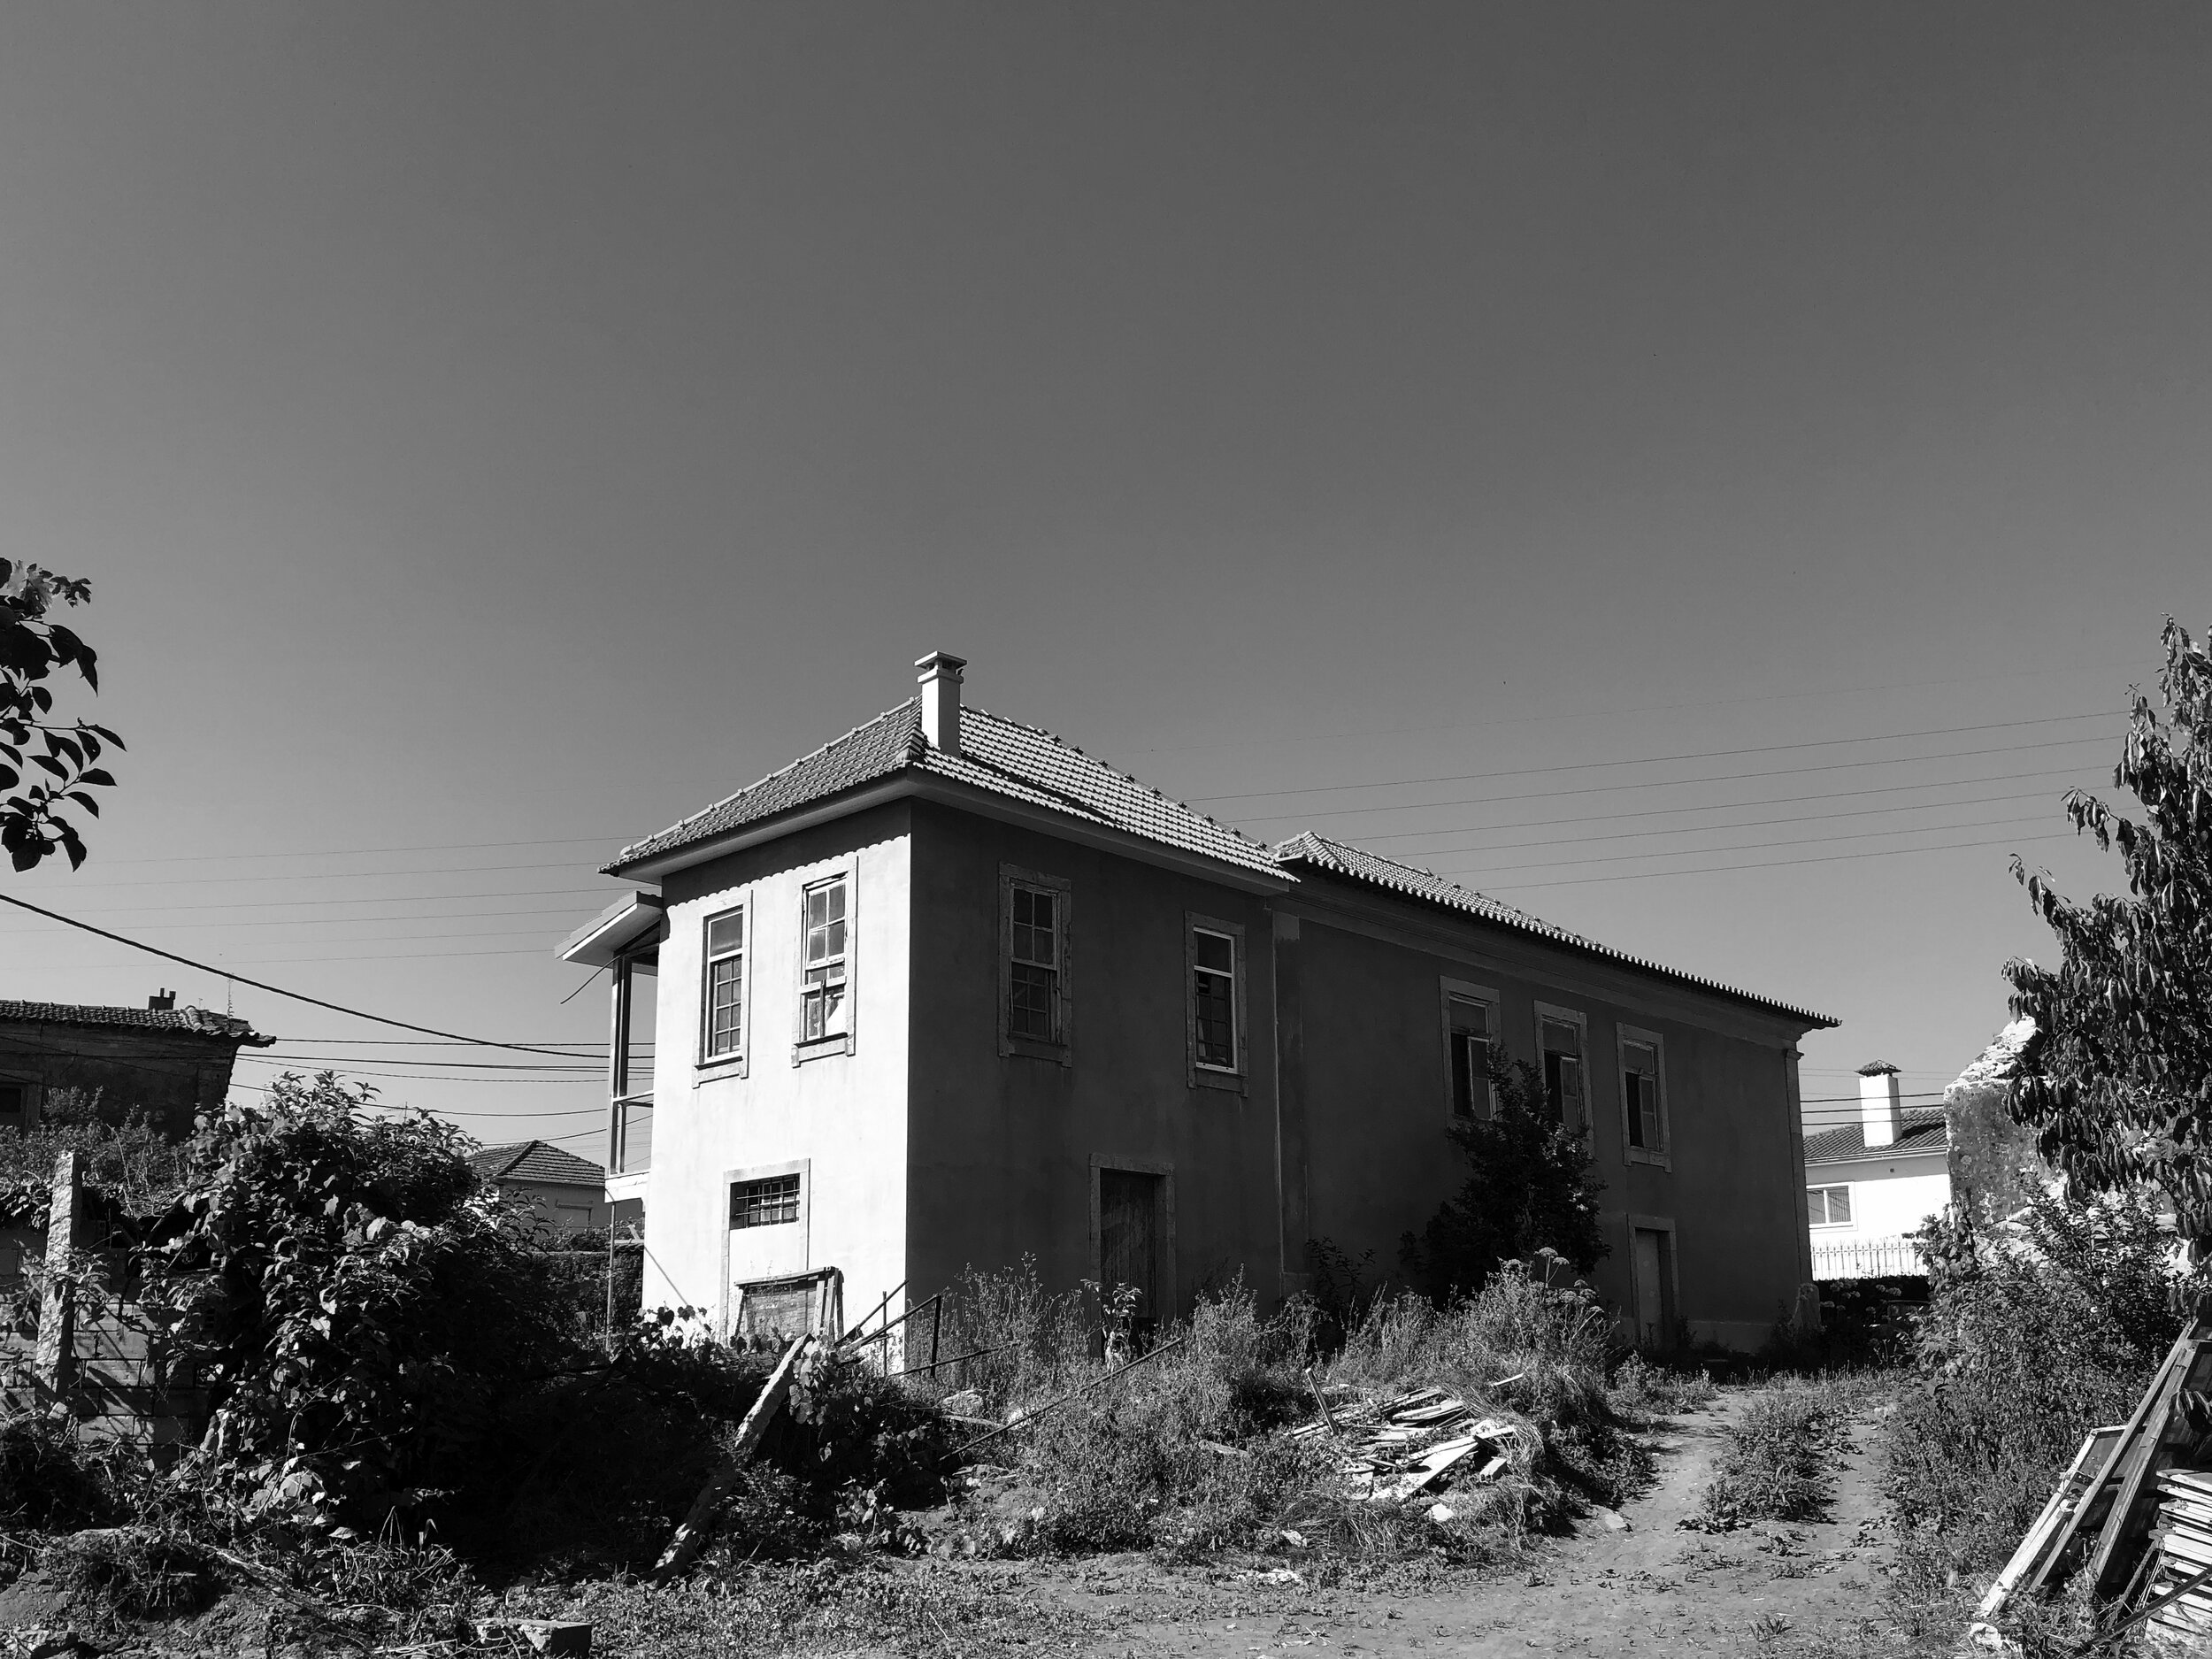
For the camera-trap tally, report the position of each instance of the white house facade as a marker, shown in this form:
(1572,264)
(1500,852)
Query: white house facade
(1869,1185)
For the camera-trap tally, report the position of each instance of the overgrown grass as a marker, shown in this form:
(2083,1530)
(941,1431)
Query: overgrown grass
(138,1571)
(1778,1462)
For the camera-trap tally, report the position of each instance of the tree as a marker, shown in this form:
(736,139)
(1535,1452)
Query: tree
(1529,1187)
(2118,1082)
(32,648)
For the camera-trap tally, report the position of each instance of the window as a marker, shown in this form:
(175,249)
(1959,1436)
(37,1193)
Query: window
(770,1202)
(1559,1042)
(1214,998)
(15,1103)
(824,1011)
(1032,963)
(1644,1134)
(1468,1034)
(1828,1206)
(1639,1093)
(722,993)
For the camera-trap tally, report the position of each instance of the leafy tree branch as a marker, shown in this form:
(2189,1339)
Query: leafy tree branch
(34,649)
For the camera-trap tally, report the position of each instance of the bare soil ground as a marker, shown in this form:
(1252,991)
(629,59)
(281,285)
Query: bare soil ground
(1651,1589)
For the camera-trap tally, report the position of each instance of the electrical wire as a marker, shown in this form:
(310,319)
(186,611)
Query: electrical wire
(275,990)
(1771,864)
(1673,783)
(1705,754)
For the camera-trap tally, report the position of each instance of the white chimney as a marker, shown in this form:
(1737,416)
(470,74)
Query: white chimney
(940,700)
(1881,1106)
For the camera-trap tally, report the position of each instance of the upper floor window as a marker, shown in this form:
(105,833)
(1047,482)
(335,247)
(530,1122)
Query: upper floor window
(1828,1206)
(1033,952)
(1214,997)
(722,990)
(823,1010)
(1559,1043)
(1643,1095)
(1467,1035)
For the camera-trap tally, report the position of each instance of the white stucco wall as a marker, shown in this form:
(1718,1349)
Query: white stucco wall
(840,1120)
(1889,1198)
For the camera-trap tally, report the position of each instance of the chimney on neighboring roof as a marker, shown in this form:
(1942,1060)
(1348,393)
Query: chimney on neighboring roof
(940,700)
(161,1002)
(1881,1105)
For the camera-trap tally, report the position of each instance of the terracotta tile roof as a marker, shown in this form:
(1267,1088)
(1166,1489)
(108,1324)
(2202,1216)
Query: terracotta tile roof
(191,1022)
(1025,763)
(536,1161)
(1923,1132)
(1309,851)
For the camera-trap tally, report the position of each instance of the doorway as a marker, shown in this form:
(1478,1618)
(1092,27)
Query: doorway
(1651,1261)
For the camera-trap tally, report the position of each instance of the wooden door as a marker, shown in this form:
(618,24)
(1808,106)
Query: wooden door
(1129,1234)
(1655,1290)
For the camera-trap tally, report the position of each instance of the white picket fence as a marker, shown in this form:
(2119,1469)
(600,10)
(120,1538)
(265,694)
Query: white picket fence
(1865,1258)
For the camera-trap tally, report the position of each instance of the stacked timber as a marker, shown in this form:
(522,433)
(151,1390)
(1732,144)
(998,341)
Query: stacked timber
(2179,1591)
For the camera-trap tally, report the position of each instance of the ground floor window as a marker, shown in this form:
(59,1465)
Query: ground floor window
(1829,1206)
(767,1203)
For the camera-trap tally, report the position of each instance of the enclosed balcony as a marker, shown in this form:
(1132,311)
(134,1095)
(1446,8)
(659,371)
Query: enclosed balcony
(624,938)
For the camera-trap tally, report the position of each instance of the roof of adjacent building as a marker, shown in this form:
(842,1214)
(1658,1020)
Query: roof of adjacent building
(1923,1131)
(1030,764)
(1319,852)
(536,1161)
(1025,763)
(190,1022)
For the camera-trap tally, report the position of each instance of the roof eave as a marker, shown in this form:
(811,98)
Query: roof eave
(914,783)
(614,930)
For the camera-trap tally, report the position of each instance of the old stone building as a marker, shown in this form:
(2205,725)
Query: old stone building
(168,1061)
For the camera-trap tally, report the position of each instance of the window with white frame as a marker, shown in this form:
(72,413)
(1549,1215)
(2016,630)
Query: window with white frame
(1213,999)
(722,988)
(1468,1033)
(1034,980)
(1828,1206)
(1643,1091)
(1559,1045)
(826,962)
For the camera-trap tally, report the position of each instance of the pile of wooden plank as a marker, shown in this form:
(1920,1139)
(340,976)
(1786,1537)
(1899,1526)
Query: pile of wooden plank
(2182,1599)
(2130,1509)
(1394,1449)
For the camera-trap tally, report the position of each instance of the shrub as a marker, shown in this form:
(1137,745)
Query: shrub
(138,1571)
(47,1479)
(1529,1187)
(2029,1341)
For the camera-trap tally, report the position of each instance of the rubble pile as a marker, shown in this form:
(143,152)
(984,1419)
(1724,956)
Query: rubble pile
(1418,1442)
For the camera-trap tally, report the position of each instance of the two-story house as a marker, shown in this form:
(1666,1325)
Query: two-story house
(948,991)
(1870,1184)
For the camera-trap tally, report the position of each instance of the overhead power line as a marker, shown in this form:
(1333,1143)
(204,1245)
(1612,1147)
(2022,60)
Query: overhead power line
(258,984)
(1654,760)
(1674,783)
(1769,863)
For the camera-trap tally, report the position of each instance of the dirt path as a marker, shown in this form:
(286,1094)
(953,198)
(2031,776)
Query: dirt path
(1652,1588)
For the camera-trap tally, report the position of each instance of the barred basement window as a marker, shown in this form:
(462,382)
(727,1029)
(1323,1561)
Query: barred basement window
(764,1203)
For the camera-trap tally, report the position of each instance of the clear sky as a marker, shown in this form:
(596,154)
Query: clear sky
(493,432)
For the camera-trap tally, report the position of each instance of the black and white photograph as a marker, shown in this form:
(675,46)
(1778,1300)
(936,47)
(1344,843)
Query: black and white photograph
(1250,829)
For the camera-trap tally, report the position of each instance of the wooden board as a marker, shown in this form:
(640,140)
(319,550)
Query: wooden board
(2161,1428)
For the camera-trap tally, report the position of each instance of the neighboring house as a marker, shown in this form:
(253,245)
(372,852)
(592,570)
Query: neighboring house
(571,1191)
(171,1063)
(1870,1184)
(948,991)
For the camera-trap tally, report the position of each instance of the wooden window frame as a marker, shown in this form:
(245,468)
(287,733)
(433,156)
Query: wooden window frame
(1553,1013)
(1824,1189)
(736,1061)
(802,1048)
(1061,1048)
(1663,1156)
(1236,1080)
(1170,1293)
(1450,991)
